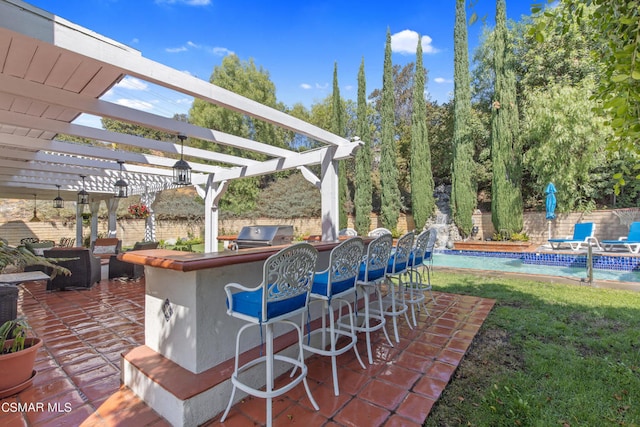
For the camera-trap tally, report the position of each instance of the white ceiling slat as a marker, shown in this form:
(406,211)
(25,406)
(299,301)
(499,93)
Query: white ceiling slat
(62,71)
(44,59)
(19,57)
(52,71)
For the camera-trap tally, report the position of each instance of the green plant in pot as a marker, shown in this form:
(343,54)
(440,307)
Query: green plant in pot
(17,358)
(17,258)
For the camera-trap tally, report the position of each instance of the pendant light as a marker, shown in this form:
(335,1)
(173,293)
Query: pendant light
(181,170)
(121,188)
(35,211)
(83,196)
(58,203)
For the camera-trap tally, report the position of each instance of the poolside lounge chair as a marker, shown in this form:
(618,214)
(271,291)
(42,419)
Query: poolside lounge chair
(583,234)
(631,241)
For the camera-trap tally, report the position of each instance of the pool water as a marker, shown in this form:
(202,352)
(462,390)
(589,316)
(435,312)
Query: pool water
(516,265)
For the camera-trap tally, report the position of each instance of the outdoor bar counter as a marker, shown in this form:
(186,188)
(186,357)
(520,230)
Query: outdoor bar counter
(183,370)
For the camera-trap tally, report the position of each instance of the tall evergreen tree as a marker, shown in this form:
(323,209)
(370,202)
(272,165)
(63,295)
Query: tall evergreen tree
(506,150)
(463,186)
(422,200)
(337,127)
(363,190)
(390,193)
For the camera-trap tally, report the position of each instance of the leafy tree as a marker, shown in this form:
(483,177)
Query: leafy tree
(363,187)
(617,27)
(463,191)
(568,142)
(506,152)
(390,197)
(279,201)
(422,200)
(338,128)
(245,79)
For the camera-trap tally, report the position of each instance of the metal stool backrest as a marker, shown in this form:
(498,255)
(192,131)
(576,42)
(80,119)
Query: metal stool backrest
(420,248)
(431,243)
(288,274)
(401,254)
(379,232)
(344,264)
(378,253)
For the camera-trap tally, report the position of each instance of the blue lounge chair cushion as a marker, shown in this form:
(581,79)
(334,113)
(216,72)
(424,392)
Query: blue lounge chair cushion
(250,304)
(321,284)
(373,274)
(399,267)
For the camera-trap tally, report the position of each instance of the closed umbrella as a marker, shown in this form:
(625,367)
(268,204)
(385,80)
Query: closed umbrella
(551,204)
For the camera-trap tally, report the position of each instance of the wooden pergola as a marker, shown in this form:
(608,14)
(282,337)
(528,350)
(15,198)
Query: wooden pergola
(52,71)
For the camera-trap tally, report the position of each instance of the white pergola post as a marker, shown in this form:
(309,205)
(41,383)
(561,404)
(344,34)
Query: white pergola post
(211,197)
(94,207)
(149,199)
(112,207)
(79,225)
(329,194)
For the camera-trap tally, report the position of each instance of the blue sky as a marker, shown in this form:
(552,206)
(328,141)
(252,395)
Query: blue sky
(297,42)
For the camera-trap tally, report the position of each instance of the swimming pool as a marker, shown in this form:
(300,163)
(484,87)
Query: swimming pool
(606,267)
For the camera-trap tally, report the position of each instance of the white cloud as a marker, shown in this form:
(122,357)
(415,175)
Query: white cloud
(221,51)
(406,41)
(442,80)
(133,83)
(135,103)
(176,49)
(322,86)
(306,86)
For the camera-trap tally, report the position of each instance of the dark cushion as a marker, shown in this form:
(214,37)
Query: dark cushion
(250,303)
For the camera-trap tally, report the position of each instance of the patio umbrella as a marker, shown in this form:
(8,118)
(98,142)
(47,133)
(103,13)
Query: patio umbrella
(551,204)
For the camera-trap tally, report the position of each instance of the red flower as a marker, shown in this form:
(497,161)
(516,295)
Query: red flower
(139,211)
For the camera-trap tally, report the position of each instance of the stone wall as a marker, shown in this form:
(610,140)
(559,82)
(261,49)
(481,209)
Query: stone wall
(608,226)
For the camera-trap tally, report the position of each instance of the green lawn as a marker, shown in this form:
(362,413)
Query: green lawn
(547,355)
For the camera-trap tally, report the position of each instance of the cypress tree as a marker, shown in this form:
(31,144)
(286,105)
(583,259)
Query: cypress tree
(506,152)
(463,186)
(422,199)
(337,127)
(390,193)
(363,197)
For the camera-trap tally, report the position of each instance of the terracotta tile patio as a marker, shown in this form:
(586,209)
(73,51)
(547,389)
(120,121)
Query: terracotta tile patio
(86,331)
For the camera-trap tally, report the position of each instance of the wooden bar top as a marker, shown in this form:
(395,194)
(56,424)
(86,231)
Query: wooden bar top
(189,261)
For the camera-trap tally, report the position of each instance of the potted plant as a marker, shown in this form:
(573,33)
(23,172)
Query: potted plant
(17,357)
(13,259)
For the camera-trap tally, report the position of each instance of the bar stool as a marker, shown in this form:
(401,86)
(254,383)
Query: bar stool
(413,286)
(396,268)
(371,276)
(284,292)
(427,262)
(331,286)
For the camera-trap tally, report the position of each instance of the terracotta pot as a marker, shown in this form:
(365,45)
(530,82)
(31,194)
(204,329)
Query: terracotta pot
(17,368)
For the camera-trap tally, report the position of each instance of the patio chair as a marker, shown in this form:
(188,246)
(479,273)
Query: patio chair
(103,248)
(84,267)
(118,268)
(396,268)
(284,292)
(378,232)
(583,234)
(330,286)
(631,241)
(413,286)
(347,232)
(370,278)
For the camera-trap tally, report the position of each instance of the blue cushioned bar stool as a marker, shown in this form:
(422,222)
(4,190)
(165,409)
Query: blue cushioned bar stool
(371,276)
(284,292)
(330,287)
(413,282)
(427,262)
(396,268)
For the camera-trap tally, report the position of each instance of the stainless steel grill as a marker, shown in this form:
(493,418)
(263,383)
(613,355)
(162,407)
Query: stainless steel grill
(256,236)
